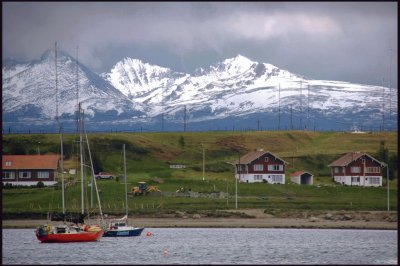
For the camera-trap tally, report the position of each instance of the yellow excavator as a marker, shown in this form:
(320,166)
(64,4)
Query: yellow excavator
(143,189)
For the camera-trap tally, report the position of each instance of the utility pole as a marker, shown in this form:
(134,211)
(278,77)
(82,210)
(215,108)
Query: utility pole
(291,120)
(308,104)
(387,184)
(204,159)
(301,105)
(258,123)
(184,119)
(162,109)
(279,107)
(239,170)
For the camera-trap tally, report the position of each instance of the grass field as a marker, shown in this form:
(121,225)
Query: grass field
(148,155)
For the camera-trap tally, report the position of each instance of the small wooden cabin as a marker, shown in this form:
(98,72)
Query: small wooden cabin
(302,178)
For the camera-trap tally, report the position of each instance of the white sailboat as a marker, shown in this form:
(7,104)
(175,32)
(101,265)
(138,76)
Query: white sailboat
(120,227)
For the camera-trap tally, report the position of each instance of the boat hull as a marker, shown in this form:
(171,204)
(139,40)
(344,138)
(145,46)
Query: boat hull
(70,237)
(123,233)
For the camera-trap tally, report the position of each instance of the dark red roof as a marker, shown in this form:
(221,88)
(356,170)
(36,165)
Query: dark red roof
(254,155)
(351,157)
(12,162)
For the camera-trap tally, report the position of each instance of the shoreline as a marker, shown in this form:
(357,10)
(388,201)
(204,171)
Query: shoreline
(293,223)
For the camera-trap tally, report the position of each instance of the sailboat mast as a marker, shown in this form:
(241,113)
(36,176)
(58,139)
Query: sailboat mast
(93,179)
(81,159)
(126,185)
(60,129)
(62,173)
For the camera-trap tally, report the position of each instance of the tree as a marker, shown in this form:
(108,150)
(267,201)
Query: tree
(393,166)
(383,152)
(17,148)
(182,141)
(390,159)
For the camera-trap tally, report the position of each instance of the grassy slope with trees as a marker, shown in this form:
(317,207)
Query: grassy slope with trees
(149,154)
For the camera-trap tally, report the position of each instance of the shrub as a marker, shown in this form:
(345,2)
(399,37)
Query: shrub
(40,184)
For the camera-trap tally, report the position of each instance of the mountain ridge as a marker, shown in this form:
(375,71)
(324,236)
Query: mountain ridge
(148,94)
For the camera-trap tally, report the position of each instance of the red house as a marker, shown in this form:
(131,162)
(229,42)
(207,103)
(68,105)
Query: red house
(28,170)
(260,166)
(357,169)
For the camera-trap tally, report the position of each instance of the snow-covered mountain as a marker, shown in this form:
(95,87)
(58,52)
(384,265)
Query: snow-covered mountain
(233,93)
(29,91)
(239,87)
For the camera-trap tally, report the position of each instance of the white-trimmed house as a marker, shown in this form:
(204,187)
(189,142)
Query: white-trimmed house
(302,178)
(357,169)
(260,166)
(28,170)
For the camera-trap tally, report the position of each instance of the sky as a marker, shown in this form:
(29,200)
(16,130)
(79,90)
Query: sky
(345,41)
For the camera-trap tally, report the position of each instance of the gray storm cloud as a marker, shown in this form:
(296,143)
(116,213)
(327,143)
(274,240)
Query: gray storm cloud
(301,37)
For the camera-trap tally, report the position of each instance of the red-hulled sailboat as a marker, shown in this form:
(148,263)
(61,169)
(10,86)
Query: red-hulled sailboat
(77,231)
(65,233)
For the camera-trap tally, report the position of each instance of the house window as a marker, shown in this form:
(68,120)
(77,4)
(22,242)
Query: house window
(275,167)
(337,170)
(257,177)
(258,167)
(373,170)
(276,178)
(8,163)
(355,179)
(374,180)
(8,175)
(355,169)
(266,159)
(24,174)
(241,168)
(43,174)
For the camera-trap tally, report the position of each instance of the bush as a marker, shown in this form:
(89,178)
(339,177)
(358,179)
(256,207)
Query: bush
(40,184)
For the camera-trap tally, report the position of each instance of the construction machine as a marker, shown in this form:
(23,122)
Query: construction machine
(143,189)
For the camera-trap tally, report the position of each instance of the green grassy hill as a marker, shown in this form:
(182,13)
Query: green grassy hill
(148,155)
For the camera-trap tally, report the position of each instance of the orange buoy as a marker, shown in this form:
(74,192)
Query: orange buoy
(148,234)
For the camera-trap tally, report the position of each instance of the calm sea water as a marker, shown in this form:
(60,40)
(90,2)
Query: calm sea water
(210,246)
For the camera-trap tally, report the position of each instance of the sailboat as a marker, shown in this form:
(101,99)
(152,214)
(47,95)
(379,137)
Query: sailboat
(120,227)
(62,233)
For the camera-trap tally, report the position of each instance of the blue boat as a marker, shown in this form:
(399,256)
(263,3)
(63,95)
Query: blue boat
(120,227)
